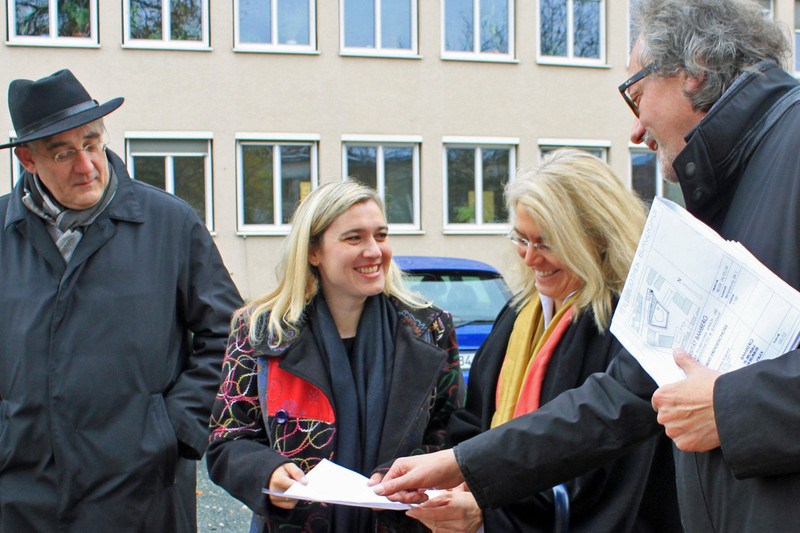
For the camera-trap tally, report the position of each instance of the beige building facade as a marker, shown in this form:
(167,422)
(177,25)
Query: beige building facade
(243,106)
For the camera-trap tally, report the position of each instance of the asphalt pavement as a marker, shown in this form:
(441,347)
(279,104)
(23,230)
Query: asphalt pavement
(217,510)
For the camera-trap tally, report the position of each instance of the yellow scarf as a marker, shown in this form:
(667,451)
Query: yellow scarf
(527,339)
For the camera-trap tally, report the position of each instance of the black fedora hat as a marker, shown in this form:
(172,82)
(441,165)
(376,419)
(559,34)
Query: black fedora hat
(52,105)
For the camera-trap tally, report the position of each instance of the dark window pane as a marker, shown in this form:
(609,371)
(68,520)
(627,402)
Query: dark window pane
(359,23)
(254,21)
(672,191)
(460,185)
(186,20)
(644,175)
(553,21)
(33,17)
(293,21)
(145,19)
(73,18)
(362,164)
(459,25)
(295,171)
(190,181)
(494,26)
(495,177)
(150,169)
(396,24)
(586,22)
(399,178)
(257,176)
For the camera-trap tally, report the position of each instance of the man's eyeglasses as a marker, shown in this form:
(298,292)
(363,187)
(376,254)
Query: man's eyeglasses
(623,89)
(69,155)
(525,243)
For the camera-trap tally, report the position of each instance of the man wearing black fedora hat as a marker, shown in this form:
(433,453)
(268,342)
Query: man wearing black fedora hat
(114,314)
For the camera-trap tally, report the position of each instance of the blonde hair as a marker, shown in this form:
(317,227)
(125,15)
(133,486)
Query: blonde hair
(298,281)
(592,221)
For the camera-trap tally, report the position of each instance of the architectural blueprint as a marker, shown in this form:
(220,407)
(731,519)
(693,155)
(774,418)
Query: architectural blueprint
(689,288)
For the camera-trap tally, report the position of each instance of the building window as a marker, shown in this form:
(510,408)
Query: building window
(166,23)
(596,148)
(797,35)
(646,178)
(275,25)
(273,177)
(766,8)
(475,178)
(478,29)
(179,166)
(572,31)
(379,27)
(53,22)
(393,170)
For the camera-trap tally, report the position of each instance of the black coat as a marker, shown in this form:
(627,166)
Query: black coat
(281,408)
(635,493)
(110,364)
(744,180)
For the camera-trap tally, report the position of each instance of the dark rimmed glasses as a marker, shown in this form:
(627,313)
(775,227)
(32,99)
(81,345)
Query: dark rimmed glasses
(623,89)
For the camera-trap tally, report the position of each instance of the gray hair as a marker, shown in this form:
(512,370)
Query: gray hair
(714,41)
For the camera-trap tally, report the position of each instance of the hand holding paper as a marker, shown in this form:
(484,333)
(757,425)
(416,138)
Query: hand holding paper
(686,408)
(331,483)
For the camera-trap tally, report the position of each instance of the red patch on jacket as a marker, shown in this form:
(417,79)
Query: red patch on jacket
(296,397)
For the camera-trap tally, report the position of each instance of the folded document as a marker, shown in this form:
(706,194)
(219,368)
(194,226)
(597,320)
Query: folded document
(689,288)
(332,483)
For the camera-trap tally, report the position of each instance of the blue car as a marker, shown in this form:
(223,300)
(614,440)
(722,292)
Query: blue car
(472,291)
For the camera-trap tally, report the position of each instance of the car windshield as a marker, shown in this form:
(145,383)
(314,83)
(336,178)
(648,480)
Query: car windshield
(469,297)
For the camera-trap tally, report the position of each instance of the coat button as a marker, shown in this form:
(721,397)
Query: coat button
(690,168)
(698,194)
(281,416)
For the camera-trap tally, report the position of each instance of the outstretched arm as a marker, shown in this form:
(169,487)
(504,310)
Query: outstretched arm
(410,476)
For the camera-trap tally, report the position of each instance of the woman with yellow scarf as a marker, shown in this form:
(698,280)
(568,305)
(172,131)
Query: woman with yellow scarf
(575,231)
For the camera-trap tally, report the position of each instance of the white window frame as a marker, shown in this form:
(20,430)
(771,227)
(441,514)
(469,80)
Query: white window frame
(570,59)
(476,54)
(165,43)
(795,39)
(378,50)
(274,139)
(16,165)
(90,41)
(478,143)
(169,155)
(381,142)
(581,144)
(275,47)
(770,11)
(659,177)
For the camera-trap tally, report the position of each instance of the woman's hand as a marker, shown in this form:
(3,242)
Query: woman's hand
(281,479)
(451,511)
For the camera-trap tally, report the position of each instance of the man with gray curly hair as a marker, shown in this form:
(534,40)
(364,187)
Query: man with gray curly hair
(709,95)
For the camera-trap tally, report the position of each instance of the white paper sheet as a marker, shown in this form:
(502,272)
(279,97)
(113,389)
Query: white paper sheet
(332,483)
(689,288)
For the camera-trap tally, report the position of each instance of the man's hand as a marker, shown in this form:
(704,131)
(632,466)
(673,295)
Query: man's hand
(409,476)
(686,408)
(281,479)
(450,512)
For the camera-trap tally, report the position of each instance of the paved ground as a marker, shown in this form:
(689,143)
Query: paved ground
(217,510)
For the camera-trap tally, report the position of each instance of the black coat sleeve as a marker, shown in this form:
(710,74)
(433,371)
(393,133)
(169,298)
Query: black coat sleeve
(579,430)
(207,299)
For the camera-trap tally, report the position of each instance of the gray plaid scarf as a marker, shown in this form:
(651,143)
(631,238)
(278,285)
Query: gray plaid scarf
(65,225)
